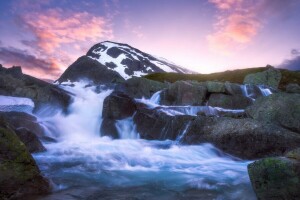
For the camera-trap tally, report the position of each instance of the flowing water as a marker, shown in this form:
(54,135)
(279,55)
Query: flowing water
(83,165)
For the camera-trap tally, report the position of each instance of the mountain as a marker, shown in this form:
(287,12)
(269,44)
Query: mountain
(109,61)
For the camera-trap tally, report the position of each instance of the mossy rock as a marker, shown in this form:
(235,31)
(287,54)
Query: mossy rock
(19,174)
(270,78)
(282,109)
(275,178)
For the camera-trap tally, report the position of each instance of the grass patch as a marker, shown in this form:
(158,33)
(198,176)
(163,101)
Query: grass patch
(233,76)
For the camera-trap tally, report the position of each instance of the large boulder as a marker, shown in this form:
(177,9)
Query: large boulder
(276,178)
(19,174)
(140,87)
(215,87)
(14,83)
(244,138)
(118,106)
(270,78)
(184,93)
(153,124)
(281,108)
(229,101)
(85,68)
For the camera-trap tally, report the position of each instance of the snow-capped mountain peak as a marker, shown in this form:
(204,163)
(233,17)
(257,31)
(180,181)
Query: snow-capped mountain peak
(129,61)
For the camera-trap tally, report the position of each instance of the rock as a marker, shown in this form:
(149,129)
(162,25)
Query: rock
(23,120)
(140,87)
(275,178)
(294,154)
(281,108)
(233,89)
(108,128)
(229,101)
(118,106)
(85,68)
(184,93)
(30,140)
(244,138)
(293,88)
(27,129)
(19,174)
(153,124)
(14,83)
(270,78)
(215,87)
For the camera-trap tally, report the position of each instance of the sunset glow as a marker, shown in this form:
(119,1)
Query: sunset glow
(45,37)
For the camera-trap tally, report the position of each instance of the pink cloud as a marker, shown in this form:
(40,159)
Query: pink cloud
(237,24)
(60,37)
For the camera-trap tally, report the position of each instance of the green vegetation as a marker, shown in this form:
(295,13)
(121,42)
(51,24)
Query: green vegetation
(234,76)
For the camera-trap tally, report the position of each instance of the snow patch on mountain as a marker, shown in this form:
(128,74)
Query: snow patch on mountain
(129,62)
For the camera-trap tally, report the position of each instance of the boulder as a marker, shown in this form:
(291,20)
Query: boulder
(154,124)
(233,89)
(244,138)
(19,174)
(293,88)
(14,83)
(215,87)
(86,68)
(140,87)
(276,178)
(229,101)
(281,108)
(270,78)
(118,106)
(184,93)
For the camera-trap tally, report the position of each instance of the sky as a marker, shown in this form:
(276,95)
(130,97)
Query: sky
(46,36)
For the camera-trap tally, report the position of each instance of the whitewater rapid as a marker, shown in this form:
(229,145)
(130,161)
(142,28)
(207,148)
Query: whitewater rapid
(81,159)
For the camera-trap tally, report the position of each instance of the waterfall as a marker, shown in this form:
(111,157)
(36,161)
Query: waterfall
(179,138)
(126,129)
(264,90)
(81,160)
(155,99)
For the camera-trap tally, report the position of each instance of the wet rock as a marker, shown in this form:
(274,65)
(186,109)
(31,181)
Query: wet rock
(85,68)
(14,83)
(282,109)
(229,101)
(140,87)
(184,93)
(276,178)
(19,174)
(118,106)
(215,87)
(244,138)
(270,78)
(293,88)
(153,124)
(108,128)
